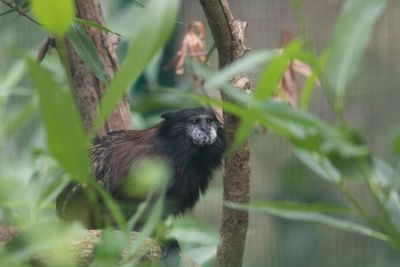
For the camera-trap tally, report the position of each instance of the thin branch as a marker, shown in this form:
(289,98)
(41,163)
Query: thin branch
(229,40)
(48,43)
(210,51)
(16,9)
(6,12)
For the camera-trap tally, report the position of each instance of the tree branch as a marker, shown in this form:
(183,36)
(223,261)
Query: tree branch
(88,89)
(82,250)
(16,9)
(229,39)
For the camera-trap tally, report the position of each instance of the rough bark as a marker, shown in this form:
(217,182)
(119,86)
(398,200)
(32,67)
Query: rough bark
(87,88)
(229,39)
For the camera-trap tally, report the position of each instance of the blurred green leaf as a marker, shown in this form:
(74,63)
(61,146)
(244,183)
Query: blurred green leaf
(111,204)
(22,116)
(384,183)
(203,255)
(49,238)
(312,207)
(153,218)
(273,72)
(307,92)
(309,132)
(392,204)
(319,164)
(109,249)
(300,212)
(384,175)
(124,19)
(12,77)
(153,31)
(95,25)
(86,50)
(350,37)
(7,12)
(309,85)
(188,231)
(226,86)
(249,62)
(66,138)
(197,240)
(51,190)
(396,145)
(145,176)
(55,16)
(245,129)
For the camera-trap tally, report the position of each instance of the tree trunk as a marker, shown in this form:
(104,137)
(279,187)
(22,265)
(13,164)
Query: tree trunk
(229,39)
(87,88)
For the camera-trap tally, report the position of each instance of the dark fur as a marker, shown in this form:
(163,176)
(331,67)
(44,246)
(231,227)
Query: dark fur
(193,166)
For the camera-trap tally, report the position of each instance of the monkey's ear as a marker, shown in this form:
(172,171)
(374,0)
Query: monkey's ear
(166,115)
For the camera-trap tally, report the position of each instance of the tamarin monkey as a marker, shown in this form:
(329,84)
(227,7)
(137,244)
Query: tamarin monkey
(191,141)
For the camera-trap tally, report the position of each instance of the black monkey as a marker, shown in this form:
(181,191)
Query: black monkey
(192,141)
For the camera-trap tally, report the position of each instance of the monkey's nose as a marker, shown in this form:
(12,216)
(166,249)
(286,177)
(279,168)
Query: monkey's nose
(203,127)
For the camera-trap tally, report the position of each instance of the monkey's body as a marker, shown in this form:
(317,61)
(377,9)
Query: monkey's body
(192,141)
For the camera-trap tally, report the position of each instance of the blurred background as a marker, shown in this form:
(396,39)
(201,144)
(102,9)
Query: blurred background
(371,105)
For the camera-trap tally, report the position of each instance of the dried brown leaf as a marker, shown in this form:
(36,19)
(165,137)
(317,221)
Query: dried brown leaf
(192,45)
(288,90)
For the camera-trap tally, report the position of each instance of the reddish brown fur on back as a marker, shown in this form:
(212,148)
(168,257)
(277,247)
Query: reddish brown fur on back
(113,154)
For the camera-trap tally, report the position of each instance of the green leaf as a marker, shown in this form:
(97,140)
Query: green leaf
(309,85)
(153,218)
(384,183)
(350,37)
(21,117)
(86,50)
(208,74)
(49,236)
(203,255)
(147,175)
(153,31)
(199,241)
(66,138)
(10,79)
(188,231)
(250,61)
(307,131)
(52,189)
(109,248)
(319,164)
(55,16)
(243,132)
(95,25)
(113,207)
(300,212)
(274,71)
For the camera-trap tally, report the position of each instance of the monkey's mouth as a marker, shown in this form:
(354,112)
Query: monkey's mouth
(204,138)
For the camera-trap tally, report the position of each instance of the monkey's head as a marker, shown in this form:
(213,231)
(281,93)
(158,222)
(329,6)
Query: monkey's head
(199,125)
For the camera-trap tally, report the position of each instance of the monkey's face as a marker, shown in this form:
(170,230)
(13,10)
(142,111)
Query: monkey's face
(202,129)
(199,126)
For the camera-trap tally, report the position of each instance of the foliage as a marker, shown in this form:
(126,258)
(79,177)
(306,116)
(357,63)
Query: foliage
(335,152)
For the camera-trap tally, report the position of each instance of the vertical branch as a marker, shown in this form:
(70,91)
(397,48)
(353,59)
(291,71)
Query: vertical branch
(87,88)
(229,39)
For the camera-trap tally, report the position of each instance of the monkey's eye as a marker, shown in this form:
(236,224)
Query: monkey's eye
(195,121)
(209,120)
